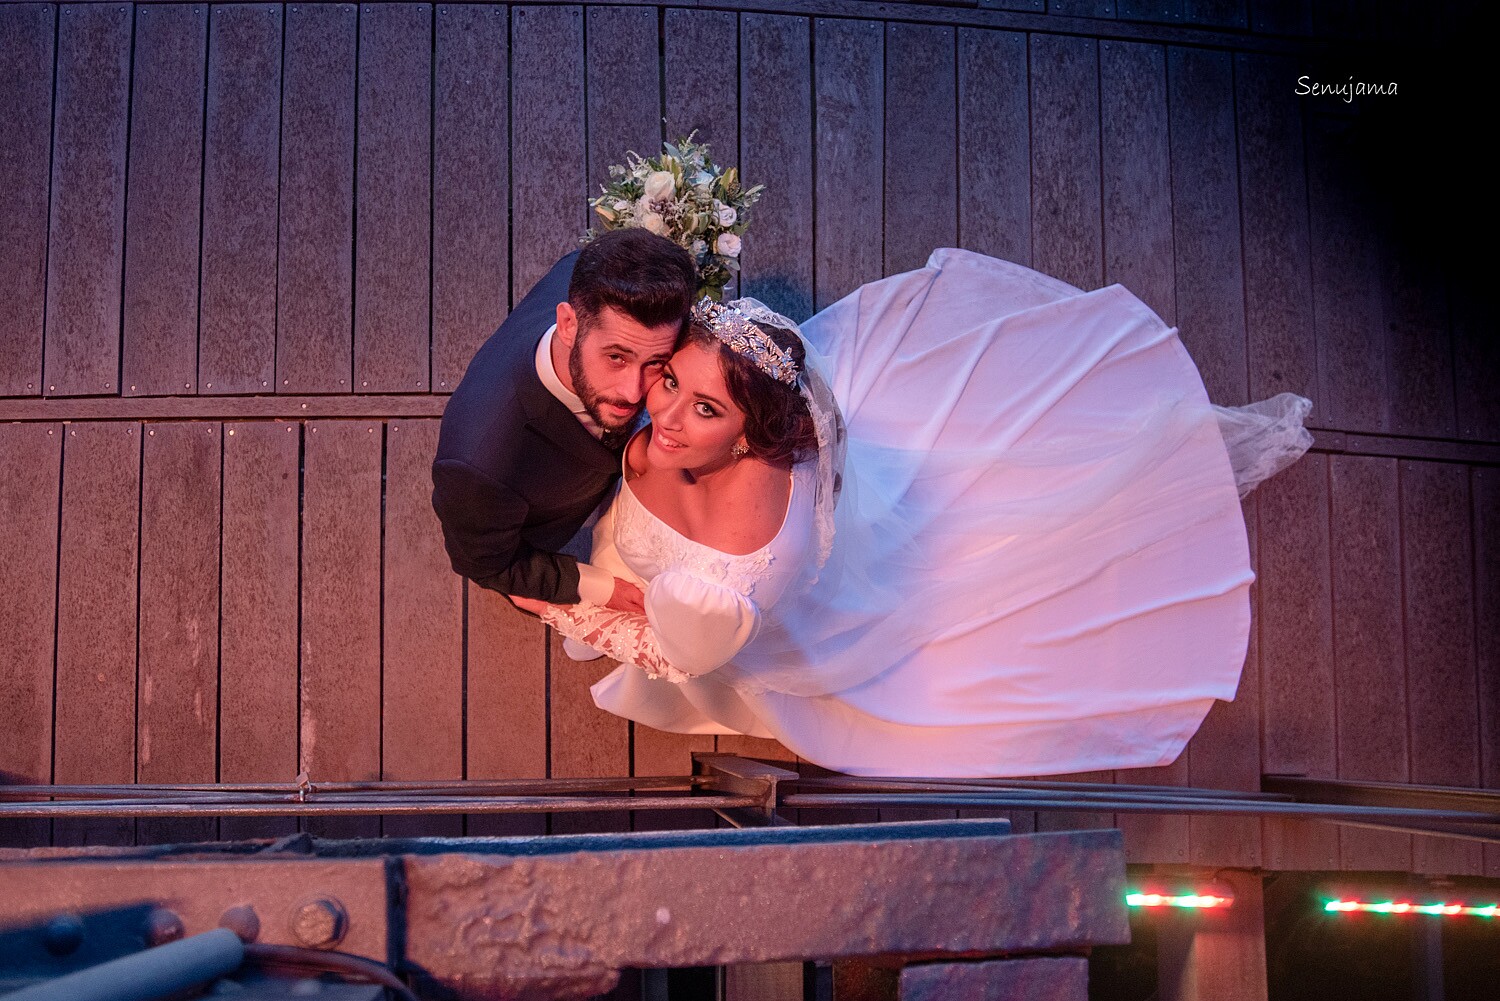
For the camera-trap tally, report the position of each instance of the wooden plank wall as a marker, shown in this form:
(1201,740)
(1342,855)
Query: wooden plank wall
(303,219)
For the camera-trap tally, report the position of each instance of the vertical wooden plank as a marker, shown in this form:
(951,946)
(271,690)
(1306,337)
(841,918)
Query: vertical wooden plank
(921,126)
(623,68)
(258,614)
(850,154)
(776,143)
(393,233)
(26,62)
(1295,615)
(163,200)
(98,572)
(87,223)
(1368,636)
(1485,493)
(1226,754)
(695,39)
(1206,217)
(1346,283)
(1082,8)
(31,455)
(1281,17)
(655,752)
(505,702)
(422,623)
(1438,593)
(1280,354)
(994,144)
(1419,349)
(548,196)
(1218,13)
(1476,359)
(1220,956)
(177,688)
(341,561)
(315,292)
(1137,173)
(1066,229)
(237,325)
(586,741)
(1137,198)
(471,184)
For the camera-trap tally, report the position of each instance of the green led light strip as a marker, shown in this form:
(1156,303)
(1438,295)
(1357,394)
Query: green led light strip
(1444,909)
(1197,900)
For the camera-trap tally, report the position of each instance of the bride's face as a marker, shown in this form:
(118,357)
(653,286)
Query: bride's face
(694,421)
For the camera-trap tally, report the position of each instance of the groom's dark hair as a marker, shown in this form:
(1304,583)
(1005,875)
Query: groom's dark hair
(647,277)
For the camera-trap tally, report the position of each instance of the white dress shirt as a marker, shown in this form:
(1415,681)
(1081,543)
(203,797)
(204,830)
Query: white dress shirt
(594,584)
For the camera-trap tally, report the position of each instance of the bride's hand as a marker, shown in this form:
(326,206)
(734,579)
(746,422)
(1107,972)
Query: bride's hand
(627,598)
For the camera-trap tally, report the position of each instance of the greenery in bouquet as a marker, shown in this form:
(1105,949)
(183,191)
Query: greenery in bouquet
(682,195)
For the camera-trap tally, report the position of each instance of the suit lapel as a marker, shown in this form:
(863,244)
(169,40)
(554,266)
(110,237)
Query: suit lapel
(550,419)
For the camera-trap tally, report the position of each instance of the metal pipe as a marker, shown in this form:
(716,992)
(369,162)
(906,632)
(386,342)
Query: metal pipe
(146,976)
(476,787)
(535,804)
(856,783)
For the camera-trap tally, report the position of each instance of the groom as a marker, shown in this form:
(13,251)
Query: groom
(531,439)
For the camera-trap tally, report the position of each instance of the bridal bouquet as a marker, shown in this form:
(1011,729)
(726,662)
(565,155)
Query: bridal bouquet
(684,196)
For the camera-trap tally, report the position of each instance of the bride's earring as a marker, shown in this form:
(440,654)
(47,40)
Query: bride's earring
(740,450)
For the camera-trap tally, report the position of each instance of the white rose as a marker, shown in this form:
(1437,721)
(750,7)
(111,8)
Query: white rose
(699,247)
(660,184)
(621,205)
(727,215)
(654,222)
(727,244)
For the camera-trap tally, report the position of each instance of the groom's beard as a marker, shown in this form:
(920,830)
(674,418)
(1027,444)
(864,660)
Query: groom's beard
(615,431)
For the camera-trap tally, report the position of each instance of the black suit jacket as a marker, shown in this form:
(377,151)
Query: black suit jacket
(516,474)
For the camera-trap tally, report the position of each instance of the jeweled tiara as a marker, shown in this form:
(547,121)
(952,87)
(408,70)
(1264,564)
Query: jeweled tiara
(744,337)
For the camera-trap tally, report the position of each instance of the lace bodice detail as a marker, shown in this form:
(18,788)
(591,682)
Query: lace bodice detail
(702,605)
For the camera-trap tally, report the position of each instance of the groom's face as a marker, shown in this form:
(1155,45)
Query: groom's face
(612,361)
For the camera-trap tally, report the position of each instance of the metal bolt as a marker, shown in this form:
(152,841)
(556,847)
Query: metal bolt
(163,926)
(63,934)
(243,921)
(320,924)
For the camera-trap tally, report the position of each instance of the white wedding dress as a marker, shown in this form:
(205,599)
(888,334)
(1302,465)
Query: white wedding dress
(1039,566)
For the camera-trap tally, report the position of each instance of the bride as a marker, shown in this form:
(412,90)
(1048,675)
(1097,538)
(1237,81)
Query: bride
(969,521)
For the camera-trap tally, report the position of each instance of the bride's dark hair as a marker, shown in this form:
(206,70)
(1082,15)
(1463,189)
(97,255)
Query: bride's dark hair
(778,425)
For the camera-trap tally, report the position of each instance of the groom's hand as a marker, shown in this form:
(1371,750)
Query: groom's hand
(627,598)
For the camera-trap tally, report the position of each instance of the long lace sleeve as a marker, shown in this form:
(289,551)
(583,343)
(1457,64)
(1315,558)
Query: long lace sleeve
(690,627)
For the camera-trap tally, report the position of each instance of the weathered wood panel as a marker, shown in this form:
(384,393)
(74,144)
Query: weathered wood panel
(1485,492)
(994,144)
(505,719)
(85,241)
(1281,352)
(850,114)
(341,568)
(393,227)
(585,742)
(776,135)
(1206,219)
(31,455)
(1295,615)
(315,290)
(1370,679)
(1066,230)
(547,139)
(623,64)
(97,569)
(177,686)
(163,200)
(470,185)
(258,619)
(1437,590)
(237,322)
(921,144)
(422,688)
(25,158)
